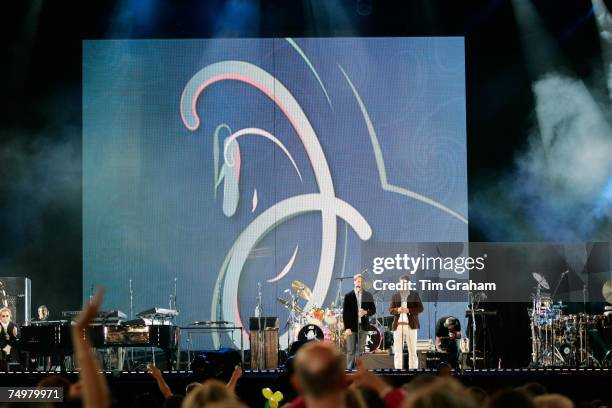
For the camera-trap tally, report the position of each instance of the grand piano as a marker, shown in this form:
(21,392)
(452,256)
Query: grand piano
(53,338)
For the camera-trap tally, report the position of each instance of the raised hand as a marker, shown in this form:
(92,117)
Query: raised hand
(90,310)
(154,371)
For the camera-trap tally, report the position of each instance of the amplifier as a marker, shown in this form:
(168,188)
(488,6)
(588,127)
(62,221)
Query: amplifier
(467,358)
(430,359)
(15,293)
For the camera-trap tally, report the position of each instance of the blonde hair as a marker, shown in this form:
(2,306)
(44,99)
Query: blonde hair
(357,276)
(210,392)
(552,401)
(6,309)
(446,392)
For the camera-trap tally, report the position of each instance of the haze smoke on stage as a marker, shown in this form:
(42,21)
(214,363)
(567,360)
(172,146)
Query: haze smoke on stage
(568,164)
(560,186)
(603,18)
(45,169)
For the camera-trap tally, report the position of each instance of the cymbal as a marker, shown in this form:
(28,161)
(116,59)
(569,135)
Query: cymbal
(541,280)
(301,290)
(607,290)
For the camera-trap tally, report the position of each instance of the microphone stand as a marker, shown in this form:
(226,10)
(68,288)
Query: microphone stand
(473,331)
(584,327)
(131,318)
(435,322)
(336,303)
(382,320)
(131,301)
(175,303)
(175,307)
(558,284)
(260,333)
(358,329)
(358,354)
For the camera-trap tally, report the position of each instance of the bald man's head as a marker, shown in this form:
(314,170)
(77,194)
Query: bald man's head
(320,369)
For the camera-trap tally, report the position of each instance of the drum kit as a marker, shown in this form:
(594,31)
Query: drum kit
(317,323)
(569,340)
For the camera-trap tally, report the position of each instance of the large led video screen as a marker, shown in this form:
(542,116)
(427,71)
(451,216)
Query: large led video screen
(217,169)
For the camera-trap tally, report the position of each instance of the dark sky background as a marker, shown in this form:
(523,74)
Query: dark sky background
(40,122)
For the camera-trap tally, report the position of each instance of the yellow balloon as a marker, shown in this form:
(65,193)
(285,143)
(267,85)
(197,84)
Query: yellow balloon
(277,397)
(267,393)
(272,403)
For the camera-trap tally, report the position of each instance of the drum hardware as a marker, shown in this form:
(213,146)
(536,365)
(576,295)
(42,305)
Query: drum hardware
(574,340)
(296,317)
(542,316)
(290,305)
(378,299)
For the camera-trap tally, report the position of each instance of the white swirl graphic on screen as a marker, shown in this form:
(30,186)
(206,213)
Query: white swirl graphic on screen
(325,201)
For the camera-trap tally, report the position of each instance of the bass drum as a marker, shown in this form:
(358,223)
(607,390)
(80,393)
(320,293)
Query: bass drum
(374,338)
(313,332)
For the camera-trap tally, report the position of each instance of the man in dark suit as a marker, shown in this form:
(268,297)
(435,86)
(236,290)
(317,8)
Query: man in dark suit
(405,307)
(357,307)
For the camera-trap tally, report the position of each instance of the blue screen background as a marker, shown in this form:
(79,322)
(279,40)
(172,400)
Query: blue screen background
(152,214)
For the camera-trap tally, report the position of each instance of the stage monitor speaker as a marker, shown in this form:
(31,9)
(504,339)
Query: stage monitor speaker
(430,359)
(466,361)
(15,293)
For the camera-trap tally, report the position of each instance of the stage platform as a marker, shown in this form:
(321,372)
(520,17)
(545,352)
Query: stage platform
(578,384)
